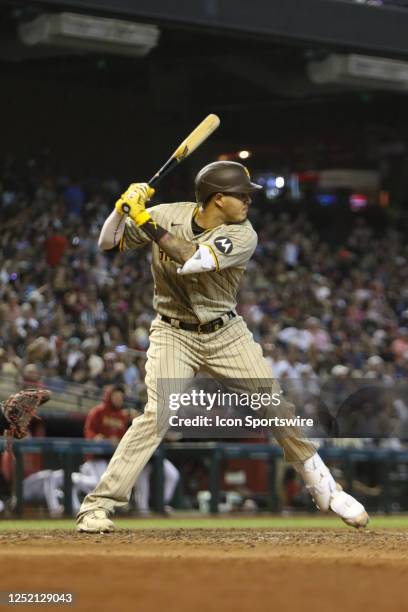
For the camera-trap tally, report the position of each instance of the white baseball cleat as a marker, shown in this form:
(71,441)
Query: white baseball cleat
(327,494)
(95,521)
(349,509)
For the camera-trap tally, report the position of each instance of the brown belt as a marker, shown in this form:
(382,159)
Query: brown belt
(202,328)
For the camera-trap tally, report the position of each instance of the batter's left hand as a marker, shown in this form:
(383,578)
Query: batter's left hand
(133,200)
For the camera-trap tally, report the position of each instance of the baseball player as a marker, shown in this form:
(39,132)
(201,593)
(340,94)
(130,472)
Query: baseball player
(199,254)
(39,485)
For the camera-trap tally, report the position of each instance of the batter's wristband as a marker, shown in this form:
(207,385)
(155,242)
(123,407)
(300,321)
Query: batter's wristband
(153,230)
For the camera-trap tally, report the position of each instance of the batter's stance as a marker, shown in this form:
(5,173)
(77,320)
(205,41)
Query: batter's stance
(199,254)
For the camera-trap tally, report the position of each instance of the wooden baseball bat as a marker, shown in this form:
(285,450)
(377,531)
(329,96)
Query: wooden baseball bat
(190,144)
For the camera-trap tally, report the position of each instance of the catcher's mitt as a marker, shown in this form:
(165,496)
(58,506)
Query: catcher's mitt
(20,408)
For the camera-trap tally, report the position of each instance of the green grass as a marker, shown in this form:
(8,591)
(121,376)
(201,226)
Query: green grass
(276,522)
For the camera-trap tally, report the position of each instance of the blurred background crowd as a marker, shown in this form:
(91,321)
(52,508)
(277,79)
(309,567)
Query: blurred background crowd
(327,304)
(70,313)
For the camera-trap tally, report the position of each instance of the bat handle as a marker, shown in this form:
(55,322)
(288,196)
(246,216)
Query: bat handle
(169,165)
(154,181)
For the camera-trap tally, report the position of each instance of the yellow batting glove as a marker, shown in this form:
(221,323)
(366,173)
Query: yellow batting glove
(132,202)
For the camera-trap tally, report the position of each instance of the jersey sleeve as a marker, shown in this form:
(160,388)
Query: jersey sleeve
(233,246)
(133,237)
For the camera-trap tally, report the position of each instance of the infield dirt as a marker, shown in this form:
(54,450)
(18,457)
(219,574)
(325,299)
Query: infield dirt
(241,570)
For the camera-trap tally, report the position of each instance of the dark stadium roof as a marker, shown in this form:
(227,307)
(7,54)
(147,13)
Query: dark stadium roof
(256,82)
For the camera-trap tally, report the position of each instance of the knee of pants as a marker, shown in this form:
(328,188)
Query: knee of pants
(283,410)
(153,421)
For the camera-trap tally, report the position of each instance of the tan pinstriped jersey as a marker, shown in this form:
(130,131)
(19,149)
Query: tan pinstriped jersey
(195,297)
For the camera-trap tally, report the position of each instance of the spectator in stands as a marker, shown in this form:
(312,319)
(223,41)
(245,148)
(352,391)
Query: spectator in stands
(74,198)
(55,246)
(10,364)
(26,321)
(31,377)
(399,346)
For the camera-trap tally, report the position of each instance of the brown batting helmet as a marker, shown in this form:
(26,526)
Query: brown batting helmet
(223,177)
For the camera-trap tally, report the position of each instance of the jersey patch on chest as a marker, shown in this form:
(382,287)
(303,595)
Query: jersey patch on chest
(224,245)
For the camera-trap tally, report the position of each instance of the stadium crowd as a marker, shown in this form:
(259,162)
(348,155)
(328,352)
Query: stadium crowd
(328,307)
(72,314)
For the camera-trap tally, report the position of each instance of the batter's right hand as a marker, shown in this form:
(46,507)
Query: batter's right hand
(133,200)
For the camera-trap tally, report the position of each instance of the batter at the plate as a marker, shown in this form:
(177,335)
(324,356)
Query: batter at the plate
(199,254)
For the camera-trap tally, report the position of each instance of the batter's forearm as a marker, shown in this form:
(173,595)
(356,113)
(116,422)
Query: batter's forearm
(178,249)
(112,231)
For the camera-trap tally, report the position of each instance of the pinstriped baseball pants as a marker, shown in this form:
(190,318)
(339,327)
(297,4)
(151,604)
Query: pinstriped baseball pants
(176,354)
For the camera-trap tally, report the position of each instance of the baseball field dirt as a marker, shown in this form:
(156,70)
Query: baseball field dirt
(198,570)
